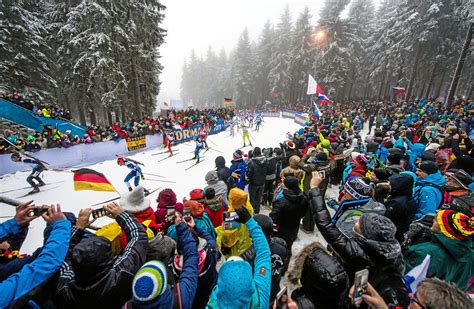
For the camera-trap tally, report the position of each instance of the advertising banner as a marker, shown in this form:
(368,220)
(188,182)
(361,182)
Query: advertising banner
(301,119)
(288,114)
(265,114)
(184,135)
(135,143)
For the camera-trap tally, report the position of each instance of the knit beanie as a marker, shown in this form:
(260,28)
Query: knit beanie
(238,154)
(358,188)
(167,197)
(196,195)
(455,225)
(429,167)
(291,183)
(377,227)
(233,273)
(150,282)
(160,248)
(322,156)
(266,223)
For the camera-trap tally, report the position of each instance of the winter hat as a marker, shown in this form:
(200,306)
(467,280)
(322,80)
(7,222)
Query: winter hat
(372,147)
(429,156)
(197,209)
(211,178)
(231,273)
(150,282)
(220,161)
(395,157)
(160,248)
(454,224)
(377,227)
(197,195)
(361,159)
(322,156)
(461,177)
(135,201)
(167,197)
(428,167)
(290,144)
(266,223)
(358,188)
(238,154)
(291,183)
(432,147)
(257,152)
(90,257)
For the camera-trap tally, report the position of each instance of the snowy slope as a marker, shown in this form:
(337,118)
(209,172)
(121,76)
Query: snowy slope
(273,131)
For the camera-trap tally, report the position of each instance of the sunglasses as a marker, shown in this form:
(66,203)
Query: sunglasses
(416,301)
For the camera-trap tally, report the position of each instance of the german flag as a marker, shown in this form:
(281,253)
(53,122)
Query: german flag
(228,101)
(87,179)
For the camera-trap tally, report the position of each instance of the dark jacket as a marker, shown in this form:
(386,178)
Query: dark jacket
(463,161)
(280,258)
(400,207)
(208,276)
(384,259)
(107,283)
(257,170)
(224,173)
(287,213)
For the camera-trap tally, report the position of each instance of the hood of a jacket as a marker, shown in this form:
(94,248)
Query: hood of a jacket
(90,259)
(460,250)
(323,277)
(237,198)
(401,184)
(211,177)
(260,160)
(220,161)
(436,178)
(293,195)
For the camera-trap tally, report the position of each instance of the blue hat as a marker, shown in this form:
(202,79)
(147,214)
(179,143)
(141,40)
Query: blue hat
(235,286)
(150,282)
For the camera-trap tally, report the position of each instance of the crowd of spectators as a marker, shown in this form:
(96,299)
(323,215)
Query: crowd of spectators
(405,192)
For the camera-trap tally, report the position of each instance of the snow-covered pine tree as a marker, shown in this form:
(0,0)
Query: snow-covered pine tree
(301,56)
(242,70)
(279,76)
(263,57)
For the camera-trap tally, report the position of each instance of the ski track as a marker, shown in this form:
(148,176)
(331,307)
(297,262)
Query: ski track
(272,132)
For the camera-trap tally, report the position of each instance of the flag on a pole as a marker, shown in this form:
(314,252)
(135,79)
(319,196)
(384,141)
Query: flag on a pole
(228,101)
(313,86)
(399,91)
(323,99)
(317,111)
(87,179)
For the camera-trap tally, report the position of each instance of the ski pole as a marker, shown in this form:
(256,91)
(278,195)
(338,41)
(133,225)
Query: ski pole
(154,175)
(168,181)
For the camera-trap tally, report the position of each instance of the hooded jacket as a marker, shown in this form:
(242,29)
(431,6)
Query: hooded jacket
(91,277)
(239,168)
(383,257)
(257,170)
(286,214)
(400,205)
(451,260)
(427,195)
(36,273)
(224,173)
(219,186)
(215,210)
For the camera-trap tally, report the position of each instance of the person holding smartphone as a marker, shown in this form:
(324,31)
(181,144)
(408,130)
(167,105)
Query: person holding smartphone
(370,244)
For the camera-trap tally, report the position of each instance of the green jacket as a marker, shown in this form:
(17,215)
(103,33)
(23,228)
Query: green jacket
(451,260)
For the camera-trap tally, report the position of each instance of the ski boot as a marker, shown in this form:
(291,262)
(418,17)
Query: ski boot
(146,192)
(41,183)
(130,189)
(35,190)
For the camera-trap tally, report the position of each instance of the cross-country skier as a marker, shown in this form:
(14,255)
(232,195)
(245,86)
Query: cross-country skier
(169,140)
(203,135)
(136,172)
(245,134)
(38,168)
(258,122)
(199,146)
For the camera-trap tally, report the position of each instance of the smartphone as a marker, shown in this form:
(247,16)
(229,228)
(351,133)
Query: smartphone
(360,284)
(280,301)
(97,213)
(230,225)
(187,214)
(230,216)
(35,212)
(170,214)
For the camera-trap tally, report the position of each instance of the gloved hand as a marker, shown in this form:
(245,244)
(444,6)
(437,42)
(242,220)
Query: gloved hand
(142,177)
(244,215)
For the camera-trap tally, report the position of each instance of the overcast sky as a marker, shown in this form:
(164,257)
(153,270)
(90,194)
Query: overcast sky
(217,23)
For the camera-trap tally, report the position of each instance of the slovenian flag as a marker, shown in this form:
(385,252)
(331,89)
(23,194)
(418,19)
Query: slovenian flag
(87,179)
(317,112)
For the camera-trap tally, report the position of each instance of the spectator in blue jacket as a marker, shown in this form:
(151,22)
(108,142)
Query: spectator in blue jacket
(150,286)
(238,169)
(17,287)
(237,286)
(429,189)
